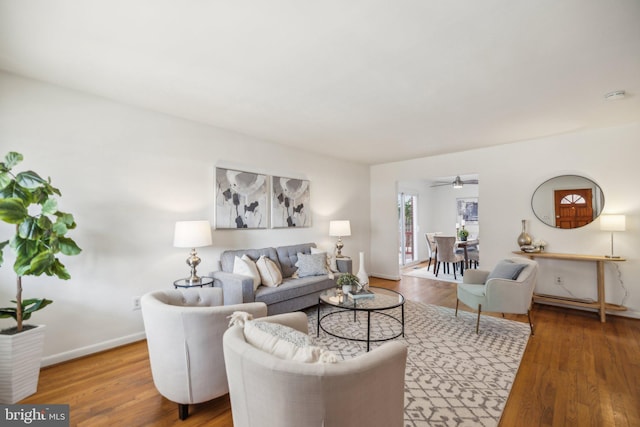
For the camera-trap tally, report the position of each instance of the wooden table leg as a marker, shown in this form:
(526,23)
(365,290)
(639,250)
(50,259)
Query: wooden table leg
(601,298)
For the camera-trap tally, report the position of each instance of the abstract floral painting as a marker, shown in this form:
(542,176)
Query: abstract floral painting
(290,202)
(467,210)
(241,199)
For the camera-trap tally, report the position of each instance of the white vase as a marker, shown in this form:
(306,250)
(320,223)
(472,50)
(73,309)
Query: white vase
(362,275)
(346,289)
(20,356)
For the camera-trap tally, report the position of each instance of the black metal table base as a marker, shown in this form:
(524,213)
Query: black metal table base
(355,311)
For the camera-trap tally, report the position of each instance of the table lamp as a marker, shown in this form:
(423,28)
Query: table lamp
(339,229)
(612,223)
(192,234)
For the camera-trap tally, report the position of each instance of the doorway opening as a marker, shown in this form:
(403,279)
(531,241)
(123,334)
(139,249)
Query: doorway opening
(407,215)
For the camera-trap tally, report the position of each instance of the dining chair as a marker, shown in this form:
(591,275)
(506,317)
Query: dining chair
(447,254)
(433,249)
(473,255)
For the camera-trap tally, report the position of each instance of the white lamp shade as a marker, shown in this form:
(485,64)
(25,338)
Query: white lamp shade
(339,228)
(192,234)
(612,222)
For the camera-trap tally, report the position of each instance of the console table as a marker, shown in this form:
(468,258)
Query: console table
(601,305)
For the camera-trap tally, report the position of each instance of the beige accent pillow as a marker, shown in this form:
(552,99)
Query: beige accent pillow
(285,342)
(270,274)
(246,267)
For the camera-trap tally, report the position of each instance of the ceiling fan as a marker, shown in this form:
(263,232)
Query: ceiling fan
(456,183)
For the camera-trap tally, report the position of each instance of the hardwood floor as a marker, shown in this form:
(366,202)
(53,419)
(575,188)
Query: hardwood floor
(575,371)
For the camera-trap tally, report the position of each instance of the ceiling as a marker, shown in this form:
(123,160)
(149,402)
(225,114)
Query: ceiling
(372,81)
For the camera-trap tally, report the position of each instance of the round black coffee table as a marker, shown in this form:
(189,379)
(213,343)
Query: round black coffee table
(381,301)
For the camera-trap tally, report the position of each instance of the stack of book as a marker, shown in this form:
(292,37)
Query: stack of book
(363,293)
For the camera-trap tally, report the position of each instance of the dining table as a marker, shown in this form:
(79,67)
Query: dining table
(465,244)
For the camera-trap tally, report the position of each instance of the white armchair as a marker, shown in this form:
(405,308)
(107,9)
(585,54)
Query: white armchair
(480,290)
(266,391)
(184,330)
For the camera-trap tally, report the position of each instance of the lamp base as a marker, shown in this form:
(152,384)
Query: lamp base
(339,246)
(193,262)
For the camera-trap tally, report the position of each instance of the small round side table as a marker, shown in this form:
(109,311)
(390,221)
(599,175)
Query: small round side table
(185,283)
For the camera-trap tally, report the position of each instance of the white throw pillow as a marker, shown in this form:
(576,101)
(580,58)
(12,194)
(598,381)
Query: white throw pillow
(332,263)
(246,267)
(285,342)
(270,274)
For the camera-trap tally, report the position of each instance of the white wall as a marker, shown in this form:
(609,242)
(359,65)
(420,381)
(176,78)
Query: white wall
(509,174)
(127,175)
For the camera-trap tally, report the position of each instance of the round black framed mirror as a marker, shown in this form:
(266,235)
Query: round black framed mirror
(567,201)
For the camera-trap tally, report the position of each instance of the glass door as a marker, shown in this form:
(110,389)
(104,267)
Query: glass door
(407,205)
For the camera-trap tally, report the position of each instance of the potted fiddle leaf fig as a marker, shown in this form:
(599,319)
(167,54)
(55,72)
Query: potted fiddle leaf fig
(28,203)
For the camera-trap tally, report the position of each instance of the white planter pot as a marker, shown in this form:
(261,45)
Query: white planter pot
(20,357)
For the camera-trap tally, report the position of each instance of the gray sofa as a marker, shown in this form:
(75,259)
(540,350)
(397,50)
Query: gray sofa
(293,294)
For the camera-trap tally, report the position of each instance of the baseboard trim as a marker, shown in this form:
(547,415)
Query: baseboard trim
(385,276)
(631,314)
(95,348)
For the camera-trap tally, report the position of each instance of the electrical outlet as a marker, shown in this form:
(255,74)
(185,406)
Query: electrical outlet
(559,281)
(136,303)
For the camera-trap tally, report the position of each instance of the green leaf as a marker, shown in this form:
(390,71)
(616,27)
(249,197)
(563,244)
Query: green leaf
(50,207)
(6,312)
(12,210)
(68,246)
(29,306)
(2,245)
(5,179)
(30,179)
(60,270)
(24,248)
(15,190)
(29,229)
(66,219)
(45,224)
(12,158)
(22,266)
(41,263)
(32,305)
(59,228)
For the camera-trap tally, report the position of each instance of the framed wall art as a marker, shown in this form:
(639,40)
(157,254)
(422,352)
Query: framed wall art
(467,210)
(241,199)
(290,205)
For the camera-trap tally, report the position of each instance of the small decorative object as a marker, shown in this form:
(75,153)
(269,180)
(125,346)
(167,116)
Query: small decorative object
(192,234)
(362,275)
(347,282)
(339,229)
(463,234)
(524,239)
(540,244)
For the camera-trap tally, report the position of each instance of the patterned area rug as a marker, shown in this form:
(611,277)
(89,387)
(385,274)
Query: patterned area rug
(453,376)
(428,274)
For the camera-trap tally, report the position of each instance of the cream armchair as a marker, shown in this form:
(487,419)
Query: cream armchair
(266,391)
(184,330)
(497,291)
